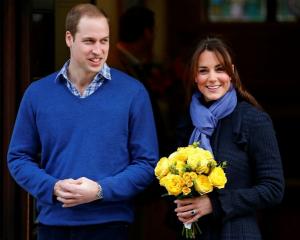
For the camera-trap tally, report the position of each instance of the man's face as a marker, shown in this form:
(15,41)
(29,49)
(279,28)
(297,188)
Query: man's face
(89,47)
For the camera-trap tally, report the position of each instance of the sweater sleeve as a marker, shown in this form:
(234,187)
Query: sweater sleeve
(268,179)
(143,150)
(23,154)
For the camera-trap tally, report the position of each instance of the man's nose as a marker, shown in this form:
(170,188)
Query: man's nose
(97,48)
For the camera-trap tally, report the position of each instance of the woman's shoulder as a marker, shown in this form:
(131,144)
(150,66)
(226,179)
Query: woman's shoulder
(251,114)
(246,107)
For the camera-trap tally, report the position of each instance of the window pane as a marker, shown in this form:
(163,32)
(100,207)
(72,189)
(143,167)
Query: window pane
(285,10)
(237,10)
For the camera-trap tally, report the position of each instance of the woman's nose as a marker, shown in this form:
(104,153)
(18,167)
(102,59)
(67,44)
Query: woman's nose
(212,76)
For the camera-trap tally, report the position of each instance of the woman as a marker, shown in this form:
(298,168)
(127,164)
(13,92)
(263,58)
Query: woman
(229,122)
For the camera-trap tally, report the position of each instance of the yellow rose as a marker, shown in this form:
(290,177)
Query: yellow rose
(177,167)
(162,168)
(193,161)
(202,184)
(186,150)
(206,166)
(212,163)
(173,184)
(189,178)
(217,177)
(199,160)
(207,154)
(163,180)
(193,175)
(180,166)
(178,156)
(189,183)
(186,190)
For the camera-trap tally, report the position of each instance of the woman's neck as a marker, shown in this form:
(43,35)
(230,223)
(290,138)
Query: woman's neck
(205,103)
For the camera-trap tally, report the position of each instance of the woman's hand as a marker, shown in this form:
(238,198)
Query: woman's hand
(189,210)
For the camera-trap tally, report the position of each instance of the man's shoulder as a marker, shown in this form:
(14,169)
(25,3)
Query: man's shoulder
(119,73)
(49,79)
(42,85)
(125,79)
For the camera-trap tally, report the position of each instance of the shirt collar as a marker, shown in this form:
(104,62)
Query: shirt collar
(103,73)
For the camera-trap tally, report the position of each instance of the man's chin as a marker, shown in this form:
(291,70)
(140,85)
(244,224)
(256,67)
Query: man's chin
(95,69)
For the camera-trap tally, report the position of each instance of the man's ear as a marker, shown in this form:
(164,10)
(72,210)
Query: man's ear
(69,38)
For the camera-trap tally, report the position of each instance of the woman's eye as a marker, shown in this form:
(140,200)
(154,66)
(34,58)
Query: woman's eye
(220,69)
(202,71)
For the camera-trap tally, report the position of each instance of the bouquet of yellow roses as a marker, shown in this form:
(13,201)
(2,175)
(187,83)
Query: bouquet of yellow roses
(188,172)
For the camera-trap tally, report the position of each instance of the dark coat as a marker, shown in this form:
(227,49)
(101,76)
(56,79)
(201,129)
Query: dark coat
(246,140)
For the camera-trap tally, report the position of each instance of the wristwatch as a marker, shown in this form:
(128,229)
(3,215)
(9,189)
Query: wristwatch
(100,192)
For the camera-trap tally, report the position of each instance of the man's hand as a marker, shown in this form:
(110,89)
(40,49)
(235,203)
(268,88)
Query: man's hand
(75,192)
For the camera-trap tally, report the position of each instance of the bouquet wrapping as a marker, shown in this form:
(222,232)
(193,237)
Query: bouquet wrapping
(188,172)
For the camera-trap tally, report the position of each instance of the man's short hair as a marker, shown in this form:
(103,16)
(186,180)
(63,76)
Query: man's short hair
(79,11)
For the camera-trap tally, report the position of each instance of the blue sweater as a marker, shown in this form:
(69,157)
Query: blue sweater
(108,137)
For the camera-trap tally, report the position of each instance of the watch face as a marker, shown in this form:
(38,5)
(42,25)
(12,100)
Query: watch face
(294,6)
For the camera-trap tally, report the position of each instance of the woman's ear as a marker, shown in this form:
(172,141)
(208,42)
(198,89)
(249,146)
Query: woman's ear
(232,65)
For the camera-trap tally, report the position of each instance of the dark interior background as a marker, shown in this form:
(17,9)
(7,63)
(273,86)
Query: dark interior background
(267,56)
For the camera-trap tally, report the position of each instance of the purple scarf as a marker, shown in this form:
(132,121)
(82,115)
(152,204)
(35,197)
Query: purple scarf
(205,119)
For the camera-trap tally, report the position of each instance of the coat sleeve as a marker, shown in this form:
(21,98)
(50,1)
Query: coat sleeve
(268,180)
(143,148)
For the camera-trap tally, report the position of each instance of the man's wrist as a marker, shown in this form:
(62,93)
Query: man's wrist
(99,193)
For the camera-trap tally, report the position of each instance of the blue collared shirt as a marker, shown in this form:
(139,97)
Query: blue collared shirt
(98,80)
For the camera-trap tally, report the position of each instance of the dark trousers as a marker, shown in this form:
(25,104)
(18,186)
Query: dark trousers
(115,231)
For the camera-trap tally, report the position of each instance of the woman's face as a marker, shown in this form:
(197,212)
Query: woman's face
(211,79)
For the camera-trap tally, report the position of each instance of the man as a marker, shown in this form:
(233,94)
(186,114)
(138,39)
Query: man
(134,51)
(84,142)
(133,54)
